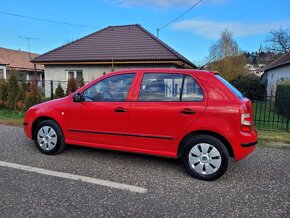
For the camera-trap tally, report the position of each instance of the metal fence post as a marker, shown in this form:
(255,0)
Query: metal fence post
(288,114)
(51,89)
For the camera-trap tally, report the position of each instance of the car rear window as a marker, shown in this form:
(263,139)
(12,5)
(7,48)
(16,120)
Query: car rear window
(231,87)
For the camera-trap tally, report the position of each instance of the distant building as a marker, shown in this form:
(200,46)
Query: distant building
(276,72)
(21,62)
(257,70)
(109,49)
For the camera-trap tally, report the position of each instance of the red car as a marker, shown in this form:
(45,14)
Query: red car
(194,115)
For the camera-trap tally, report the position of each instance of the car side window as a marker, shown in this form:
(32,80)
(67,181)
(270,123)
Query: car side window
(169,87)
(191,90)
(114,88)
(160,87)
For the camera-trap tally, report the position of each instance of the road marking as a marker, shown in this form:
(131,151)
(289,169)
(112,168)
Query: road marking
(91,180)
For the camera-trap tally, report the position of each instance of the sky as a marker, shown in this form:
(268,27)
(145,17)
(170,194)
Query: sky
(249,20)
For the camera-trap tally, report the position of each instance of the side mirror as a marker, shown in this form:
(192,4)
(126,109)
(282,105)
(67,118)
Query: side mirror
(77,97)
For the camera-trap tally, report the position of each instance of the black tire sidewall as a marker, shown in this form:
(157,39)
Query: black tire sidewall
(60,139)
(215,143)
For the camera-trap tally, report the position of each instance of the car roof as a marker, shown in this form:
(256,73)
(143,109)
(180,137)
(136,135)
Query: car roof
(162,70)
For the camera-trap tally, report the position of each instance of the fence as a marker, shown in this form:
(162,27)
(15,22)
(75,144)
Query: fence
(267,113)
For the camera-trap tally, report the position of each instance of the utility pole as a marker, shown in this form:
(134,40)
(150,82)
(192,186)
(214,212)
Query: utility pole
(28,42)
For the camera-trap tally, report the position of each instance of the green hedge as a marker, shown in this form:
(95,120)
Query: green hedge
(282,101)
(250,86)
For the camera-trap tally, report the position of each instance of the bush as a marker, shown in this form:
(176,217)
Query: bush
(82,82)
(20,98)
(282,98)
(59,92)
(250,86)
(72,86)
(3,92)
(12,89)
(33,97)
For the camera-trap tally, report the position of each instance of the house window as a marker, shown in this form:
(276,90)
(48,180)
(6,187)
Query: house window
(77,74)
(1,74)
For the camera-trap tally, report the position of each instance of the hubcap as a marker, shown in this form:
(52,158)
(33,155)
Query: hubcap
(46,138)
(204,158)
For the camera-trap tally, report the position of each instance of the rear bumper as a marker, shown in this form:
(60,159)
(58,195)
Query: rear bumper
(248,142)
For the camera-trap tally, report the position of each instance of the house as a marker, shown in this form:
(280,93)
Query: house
(21,62)
(257,70)
(276,72)
(109,49)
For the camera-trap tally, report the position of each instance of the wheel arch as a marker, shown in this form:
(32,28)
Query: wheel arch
(204,132)
(40,119)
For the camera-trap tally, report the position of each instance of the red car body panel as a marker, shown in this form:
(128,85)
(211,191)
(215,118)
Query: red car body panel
(155,128)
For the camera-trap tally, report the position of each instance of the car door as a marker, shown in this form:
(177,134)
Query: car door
(167,104)
(102,117)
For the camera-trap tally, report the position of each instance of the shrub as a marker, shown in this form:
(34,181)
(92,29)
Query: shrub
(20,98)
(12,89)
(82,82)
(26,86)
(33,97)
(72,85)
(250,86)
(282,98)
(3,92)
(59,92)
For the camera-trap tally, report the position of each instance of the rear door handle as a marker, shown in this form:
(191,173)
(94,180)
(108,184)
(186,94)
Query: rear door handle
(187,111)
(120,110)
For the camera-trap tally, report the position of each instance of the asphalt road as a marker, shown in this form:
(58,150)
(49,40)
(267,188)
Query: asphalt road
(258,186)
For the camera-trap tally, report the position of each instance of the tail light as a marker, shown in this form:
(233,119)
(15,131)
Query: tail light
(246,117)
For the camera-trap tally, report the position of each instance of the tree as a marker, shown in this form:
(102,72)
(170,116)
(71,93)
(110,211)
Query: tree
(82,82)
(3,92)
(225,57)
(226,46)
(20,98)
(33,97)
(59,92)
(72,85)
(278,40)
(12,89)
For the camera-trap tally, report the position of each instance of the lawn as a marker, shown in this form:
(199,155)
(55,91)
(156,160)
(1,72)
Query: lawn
(11,117)
(266,118)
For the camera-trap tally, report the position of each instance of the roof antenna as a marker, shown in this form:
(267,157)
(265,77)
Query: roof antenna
(28,41)
(158,33)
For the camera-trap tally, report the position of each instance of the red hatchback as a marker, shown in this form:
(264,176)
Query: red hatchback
(194,115)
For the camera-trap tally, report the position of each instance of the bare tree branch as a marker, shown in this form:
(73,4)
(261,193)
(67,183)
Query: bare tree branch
(278,40)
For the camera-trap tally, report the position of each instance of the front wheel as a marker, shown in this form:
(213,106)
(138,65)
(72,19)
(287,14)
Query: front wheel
(48,137)
(205,157)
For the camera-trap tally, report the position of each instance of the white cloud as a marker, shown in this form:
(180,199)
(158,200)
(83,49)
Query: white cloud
(212,29)
(163,3)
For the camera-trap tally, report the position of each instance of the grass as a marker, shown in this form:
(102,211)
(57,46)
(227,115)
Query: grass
(11,117)
(266,118)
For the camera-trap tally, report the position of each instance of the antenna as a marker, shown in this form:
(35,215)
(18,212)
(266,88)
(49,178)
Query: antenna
(28,41)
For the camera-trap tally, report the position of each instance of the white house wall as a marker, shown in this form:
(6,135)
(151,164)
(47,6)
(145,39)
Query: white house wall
(275,76)
(57,73)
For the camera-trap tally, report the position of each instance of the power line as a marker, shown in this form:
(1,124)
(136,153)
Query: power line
(160,28)
(45,20)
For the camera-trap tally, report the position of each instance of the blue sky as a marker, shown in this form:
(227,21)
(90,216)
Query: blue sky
(191,35)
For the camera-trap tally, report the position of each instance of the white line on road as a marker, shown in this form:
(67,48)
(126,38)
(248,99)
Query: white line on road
(91,180)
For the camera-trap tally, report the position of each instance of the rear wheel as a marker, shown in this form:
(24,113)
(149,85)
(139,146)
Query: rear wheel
(48,137)
(205,157)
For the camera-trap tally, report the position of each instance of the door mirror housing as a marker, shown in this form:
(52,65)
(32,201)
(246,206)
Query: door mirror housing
(78,97)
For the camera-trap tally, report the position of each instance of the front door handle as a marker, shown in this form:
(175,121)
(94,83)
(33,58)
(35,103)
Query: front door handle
(187,111)
(120,110)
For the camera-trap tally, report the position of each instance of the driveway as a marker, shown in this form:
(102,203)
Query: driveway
(83,182)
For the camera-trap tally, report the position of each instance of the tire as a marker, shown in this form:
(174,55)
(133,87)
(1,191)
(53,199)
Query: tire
(48,137)
(205,157)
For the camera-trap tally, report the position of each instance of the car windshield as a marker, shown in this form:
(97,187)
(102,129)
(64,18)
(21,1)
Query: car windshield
(231,87)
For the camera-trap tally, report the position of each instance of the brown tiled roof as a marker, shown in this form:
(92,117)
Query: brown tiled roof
(118,43)
(18,59)
(285,59)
